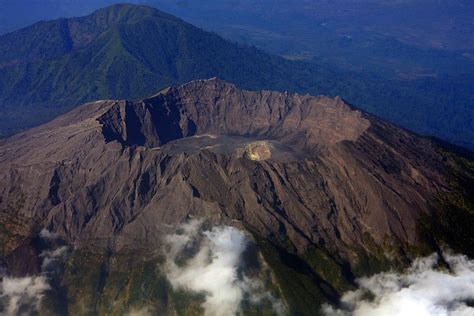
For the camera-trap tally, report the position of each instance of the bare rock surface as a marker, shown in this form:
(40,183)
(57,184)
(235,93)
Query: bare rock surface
(118,174)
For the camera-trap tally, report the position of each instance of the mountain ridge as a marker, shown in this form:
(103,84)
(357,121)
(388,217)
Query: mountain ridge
(83,59)
(325,193)
(139,127)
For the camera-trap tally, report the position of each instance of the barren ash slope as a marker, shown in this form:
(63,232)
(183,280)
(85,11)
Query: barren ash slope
(318,192)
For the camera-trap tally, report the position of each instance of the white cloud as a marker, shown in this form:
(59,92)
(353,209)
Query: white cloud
(46,234)
(145,311)
(51,258)
(22,296)
(214,268)
(424,289)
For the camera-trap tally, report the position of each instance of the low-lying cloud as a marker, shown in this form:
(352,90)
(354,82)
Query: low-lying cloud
(22,296)
(426,288)
(214,268)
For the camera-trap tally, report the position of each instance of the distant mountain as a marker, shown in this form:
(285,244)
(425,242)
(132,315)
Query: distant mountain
(325,193)
(123,51)
(443,24)
(127,51)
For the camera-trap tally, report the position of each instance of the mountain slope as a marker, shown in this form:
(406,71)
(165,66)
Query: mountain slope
(121,51)
(127,51)
(326,191)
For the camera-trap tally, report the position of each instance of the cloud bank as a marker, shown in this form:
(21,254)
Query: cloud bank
(22,296)
(425,289)
(214,268)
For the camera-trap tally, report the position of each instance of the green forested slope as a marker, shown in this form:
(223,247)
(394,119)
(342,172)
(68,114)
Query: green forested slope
(127,51)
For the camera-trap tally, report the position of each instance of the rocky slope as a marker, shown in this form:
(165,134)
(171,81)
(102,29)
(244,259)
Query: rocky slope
(328,192)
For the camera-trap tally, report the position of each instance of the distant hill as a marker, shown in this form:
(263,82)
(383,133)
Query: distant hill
(128,52)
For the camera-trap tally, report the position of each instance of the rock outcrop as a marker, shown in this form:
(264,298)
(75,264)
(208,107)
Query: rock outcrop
(327,191)
(116,173)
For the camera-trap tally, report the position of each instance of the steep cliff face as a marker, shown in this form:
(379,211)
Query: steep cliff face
(305,175)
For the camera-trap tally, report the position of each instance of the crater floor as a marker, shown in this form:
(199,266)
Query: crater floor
(253,148)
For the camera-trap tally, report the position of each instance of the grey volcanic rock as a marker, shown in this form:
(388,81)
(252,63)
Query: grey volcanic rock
(118,174)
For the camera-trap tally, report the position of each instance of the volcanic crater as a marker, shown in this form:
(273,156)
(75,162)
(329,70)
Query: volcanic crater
(312,169)
(215,115)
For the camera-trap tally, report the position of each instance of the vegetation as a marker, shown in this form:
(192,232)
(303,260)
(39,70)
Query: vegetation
(451,224)
(13,227)
(127,51)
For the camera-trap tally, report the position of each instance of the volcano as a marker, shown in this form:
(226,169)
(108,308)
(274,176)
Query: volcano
(325,192)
